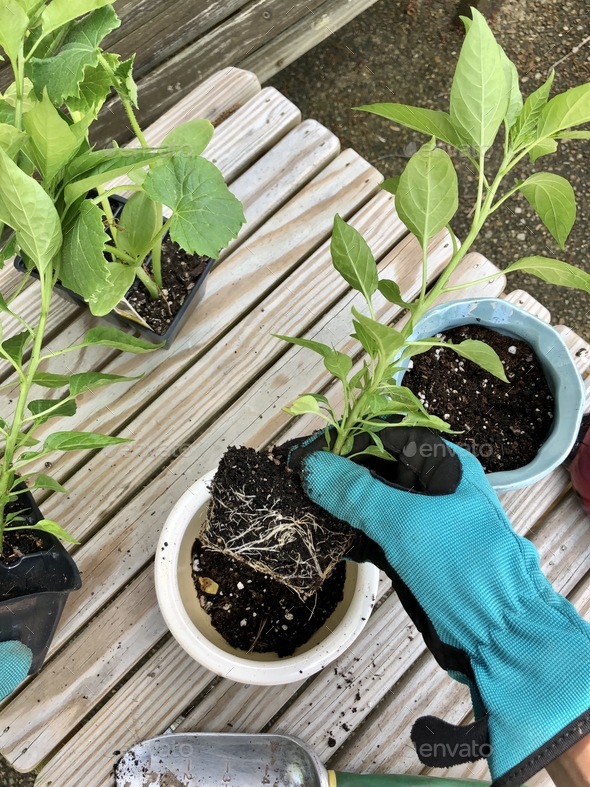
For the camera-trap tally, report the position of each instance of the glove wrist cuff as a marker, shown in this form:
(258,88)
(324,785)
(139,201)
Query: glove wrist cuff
(547,753)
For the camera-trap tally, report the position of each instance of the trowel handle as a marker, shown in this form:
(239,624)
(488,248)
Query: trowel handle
(403,780)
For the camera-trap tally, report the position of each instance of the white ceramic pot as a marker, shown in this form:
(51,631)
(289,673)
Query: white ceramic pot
(191,625)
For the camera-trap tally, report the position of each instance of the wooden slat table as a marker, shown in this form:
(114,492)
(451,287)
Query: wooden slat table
(114,674)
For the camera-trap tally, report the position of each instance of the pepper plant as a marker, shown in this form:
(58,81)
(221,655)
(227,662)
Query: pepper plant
(486,111)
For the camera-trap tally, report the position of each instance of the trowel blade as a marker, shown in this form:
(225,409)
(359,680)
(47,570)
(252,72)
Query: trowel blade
(205,759)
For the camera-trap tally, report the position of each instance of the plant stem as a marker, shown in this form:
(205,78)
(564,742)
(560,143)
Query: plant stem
(108,212)
(157,262)
(19,84)
(147,282)
(7,473)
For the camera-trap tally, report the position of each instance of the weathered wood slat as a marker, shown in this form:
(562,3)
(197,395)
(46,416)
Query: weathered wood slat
(526,301)
(156,30)
(281,50)
(225,45)
(128,717)
(111,645)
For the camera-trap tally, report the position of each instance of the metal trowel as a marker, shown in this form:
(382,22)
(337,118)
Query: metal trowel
(206,759)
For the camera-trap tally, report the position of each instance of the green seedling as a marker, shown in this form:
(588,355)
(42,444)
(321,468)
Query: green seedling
(485,98)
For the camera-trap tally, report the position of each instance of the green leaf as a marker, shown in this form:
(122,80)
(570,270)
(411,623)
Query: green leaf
(405,398)
(104,300)
(479,93)
(543,148)
(9,250)
(391,185)
(526,123)
(337,363)
(190,138)
(83,266)
(553,198)
(98,167)
(15,346)
(391,292)
(429,421)
(63,73)
(387,340)
(514,95)
(49,526)
(112,337)
(47,482)
(124,82)
(565,110)
(53,143)
(573,135)
(353,259)
(80,441)
(60,12)
(304,404)
(30,7)
(481,354)
(206,215)
(49,380)
(93,91)
(11,139)
(38,408)
(140,220)
(428,121)
(428,195)
(373,450)
(7,113)
(13,26)
(88,381)
(552,271)
(29,210)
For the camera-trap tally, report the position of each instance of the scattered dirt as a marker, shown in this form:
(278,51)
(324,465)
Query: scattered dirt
(504,424)
(253,612)
(180,273)
(260,516)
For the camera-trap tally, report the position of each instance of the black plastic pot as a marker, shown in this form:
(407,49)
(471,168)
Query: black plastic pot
(39,585)
(119,320)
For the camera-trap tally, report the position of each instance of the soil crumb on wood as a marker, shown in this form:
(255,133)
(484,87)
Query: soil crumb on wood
(260,515)
(504,424)
(180,272)
(253,612)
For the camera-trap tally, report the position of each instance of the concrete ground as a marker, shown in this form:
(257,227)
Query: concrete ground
(405,51)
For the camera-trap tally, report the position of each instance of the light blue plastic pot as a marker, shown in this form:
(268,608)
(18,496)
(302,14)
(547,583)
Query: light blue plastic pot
(562,375)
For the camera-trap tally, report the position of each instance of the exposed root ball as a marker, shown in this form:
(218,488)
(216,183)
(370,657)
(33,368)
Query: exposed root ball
(260,515)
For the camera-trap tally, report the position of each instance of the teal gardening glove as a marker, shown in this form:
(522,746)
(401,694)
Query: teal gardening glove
(15,663)
(475,590)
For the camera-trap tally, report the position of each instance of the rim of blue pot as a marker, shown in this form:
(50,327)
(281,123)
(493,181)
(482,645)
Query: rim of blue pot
(562,375)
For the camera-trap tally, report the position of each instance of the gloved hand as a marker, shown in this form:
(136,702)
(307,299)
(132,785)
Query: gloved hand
(475,590)
(15,663)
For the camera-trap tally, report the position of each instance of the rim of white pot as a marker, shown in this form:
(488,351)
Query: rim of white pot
(191,626)
(562,375)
